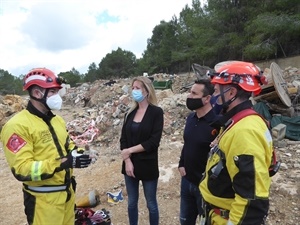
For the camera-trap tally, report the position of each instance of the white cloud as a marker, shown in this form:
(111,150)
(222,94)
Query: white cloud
(61,34)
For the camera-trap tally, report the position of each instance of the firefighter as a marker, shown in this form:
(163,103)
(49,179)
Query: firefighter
(236,183)
(41,154)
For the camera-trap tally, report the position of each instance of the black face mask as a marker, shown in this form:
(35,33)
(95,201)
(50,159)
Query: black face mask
(194,103)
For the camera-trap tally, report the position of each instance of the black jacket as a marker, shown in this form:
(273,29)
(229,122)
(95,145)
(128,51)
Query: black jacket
(198,134)
(149,135)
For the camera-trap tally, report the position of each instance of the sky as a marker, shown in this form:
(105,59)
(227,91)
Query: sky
(62,34)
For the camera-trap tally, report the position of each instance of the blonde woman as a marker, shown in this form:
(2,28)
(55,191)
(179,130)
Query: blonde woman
(140,138)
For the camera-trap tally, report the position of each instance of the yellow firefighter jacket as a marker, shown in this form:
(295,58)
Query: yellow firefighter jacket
(33,145)
(242,184)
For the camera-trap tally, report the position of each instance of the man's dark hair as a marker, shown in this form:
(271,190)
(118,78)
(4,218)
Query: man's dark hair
(208,86)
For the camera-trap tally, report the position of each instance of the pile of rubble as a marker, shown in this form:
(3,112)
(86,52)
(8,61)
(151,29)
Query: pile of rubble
(9,105)
(282,91)
(103,105)
(101,108)
(96,112)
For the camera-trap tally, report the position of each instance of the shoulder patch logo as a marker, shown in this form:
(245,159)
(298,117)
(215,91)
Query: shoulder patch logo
(15,143)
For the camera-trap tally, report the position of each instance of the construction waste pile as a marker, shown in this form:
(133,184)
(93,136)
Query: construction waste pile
(98,111)
(105,103)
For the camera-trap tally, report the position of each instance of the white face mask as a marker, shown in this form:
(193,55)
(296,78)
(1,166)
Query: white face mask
(54,102)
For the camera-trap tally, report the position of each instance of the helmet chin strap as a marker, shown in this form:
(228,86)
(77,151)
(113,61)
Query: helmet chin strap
(43,100)
(225,104)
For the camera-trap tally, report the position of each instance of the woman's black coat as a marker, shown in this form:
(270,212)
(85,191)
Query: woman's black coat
(149,134)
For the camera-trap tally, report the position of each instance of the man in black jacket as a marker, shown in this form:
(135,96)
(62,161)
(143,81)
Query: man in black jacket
(198,135)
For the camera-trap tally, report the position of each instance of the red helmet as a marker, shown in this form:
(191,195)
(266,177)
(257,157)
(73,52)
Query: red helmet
(42,77)
(247,75)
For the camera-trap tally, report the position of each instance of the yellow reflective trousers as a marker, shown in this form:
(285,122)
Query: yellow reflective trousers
(40,208)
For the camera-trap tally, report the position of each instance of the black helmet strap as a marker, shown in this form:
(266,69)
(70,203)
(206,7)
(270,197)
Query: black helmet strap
(43,99)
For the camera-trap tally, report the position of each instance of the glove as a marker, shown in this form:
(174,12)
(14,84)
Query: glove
(76,160)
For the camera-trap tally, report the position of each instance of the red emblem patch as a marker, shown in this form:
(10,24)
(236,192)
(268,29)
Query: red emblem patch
(15,143)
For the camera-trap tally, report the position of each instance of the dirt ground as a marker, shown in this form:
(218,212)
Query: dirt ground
(105,176)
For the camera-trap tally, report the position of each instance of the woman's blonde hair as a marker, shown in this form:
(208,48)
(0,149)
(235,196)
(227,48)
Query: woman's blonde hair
(147,84)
